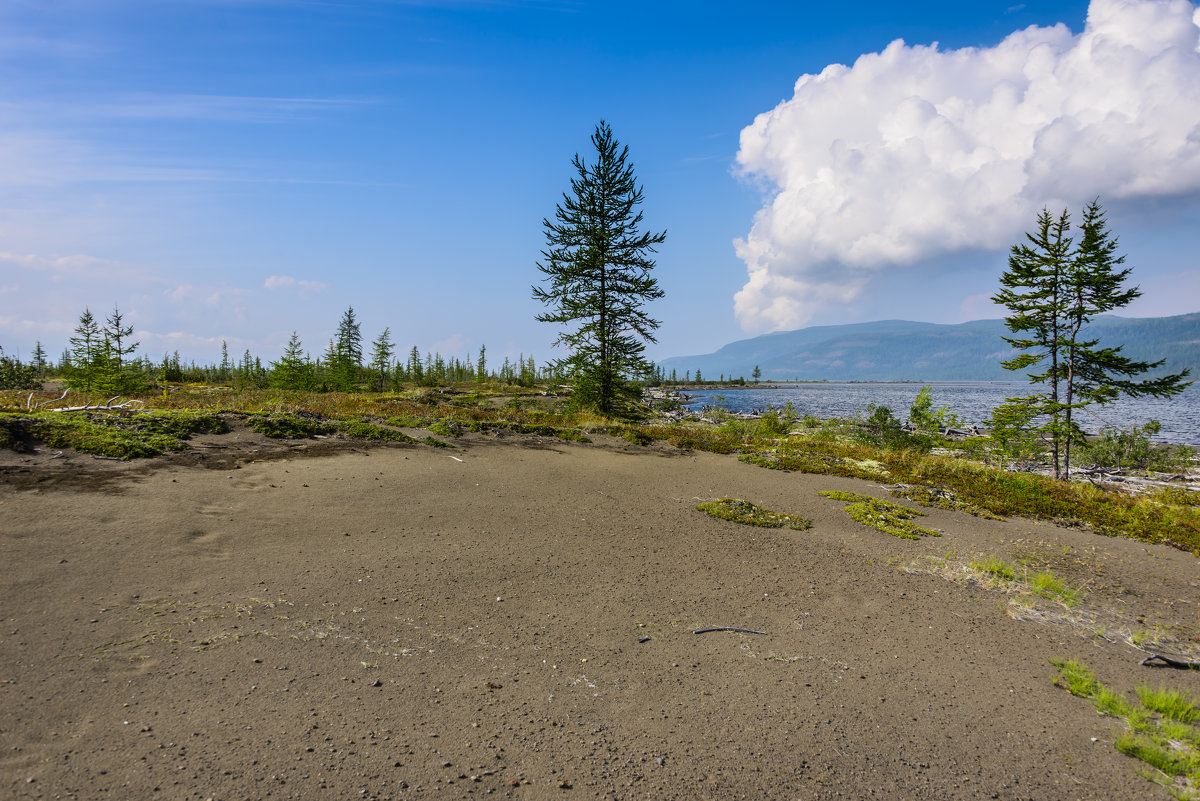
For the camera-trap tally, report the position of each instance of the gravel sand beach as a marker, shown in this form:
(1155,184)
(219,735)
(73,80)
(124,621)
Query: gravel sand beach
(514,617)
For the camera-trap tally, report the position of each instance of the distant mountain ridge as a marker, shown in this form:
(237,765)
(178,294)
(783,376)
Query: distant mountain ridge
(902,350)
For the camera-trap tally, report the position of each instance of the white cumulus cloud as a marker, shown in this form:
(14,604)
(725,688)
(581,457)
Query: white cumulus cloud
(916,152)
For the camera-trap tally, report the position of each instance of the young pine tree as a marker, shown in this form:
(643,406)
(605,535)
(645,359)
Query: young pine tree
(86,351)
(293,370)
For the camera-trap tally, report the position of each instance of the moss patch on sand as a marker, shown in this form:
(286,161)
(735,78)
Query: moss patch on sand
(890,518)
(749,514)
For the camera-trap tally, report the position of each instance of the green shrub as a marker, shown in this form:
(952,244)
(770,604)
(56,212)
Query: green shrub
(1132,449)
(922,416)
(446,428)
(180,424)
(15,375)
(881,428)
(288,426)
(361,429)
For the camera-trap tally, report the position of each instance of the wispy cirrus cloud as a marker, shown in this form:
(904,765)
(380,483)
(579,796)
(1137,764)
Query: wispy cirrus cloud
(281,283)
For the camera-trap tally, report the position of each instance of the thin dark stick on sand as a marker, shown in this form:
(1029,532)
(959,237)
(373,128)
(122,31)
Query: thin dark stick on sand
(727,628)
(1169,662)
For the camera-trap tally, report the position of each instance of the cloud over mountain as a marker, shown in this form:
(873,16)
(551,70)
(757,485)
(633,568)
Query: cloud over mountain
(916,152)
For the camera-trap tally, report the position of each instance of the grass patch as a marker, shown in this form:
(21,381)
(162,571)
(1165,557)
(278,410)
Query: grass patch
(1173,704)
(995,567)
(1171,517)
(1048,586)
(890,518)
(746,513)
(1157,733)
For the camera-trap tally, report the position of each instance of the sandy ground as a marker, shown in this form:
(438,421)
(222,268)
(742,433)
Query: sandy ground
(328,620)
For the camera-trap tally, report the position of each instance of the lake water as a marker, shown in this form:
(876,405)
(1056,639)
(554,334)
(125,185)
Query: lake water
(972,401)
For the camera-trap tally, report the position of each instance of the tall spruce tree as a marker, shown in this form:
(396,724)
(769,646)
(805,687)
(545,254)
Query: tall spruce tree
(381,357)
(346,353)
(1054,289)
(596,276)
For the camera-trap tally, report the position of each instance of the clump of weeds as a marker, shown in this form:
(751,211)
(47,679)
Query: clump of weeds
(1159,731)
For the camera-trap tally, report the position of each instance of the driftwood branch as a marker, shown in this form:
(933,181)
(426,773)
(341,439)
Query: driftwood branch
(727,628)
(109,406)
(1169,662)
(29,402)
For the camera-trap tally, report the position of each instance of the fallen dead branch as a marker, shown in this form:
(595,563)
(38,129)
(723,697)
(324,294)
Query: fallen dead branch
(109,406)
(1169,662)
(29,401)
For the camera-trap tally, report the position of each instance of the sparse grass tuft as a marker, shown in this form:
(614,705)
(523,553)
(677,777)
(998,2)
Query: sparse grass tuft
(1075,678)
(746,513)
(994,566)
(1172,704)
(1157,733)
(1142,747)
(1048,586)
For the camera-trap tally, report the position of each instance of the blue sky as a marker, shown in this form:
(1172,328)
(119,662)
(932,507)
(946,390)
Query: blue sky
(238,169)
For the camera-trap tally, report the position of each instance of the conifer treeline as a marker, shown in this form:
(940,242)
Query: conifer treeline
(102,357)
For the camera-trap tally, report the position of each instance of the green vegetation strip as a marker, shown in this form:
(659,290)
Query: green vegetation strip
(890,518)
(1170,516)
(119,435)
(1159,732)
(940,499)
(746,513)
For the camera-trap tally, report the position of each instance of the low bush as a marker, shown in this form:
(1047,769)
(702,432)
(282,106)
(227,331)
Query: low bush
(1133,448)
(288,426)
(361,429)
